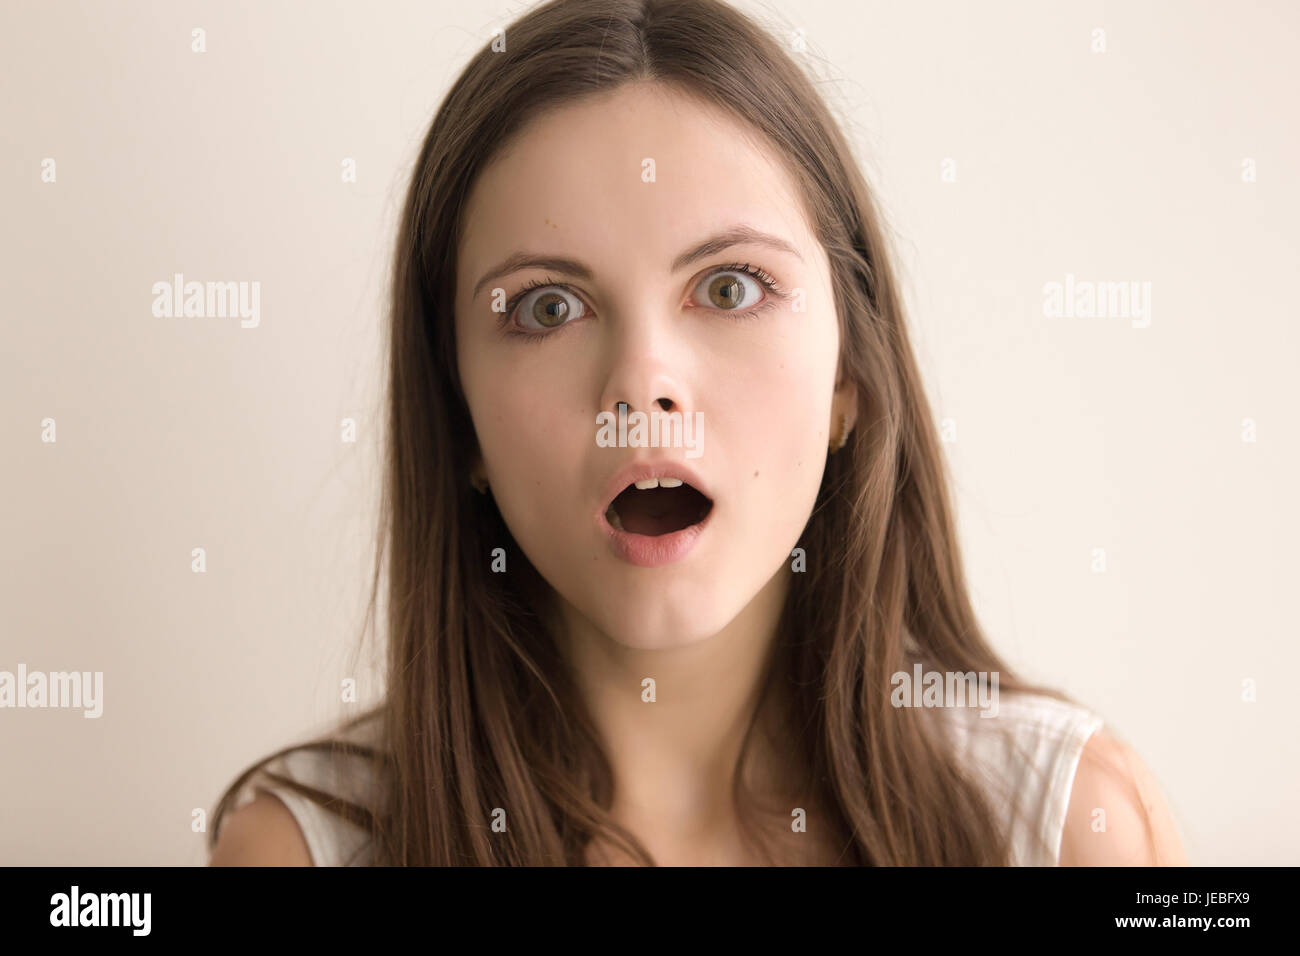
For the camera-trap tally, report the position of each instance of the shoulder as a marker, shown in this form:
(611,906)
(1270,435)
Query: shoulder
(261,833)
(1117,815)
(305,806)
(1023,750)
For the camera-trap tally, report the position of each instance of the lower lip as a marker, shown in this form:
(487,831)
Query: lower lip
(651,551)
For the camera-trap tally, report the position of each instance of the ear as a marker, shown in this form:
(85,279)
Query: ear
(477,472)
(844,402)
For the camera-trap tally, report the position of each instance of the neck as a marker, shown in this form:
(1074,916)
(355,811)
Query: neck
(673,759)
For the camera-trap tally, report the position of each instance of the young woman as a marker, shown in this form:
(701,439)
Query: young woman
(702,650)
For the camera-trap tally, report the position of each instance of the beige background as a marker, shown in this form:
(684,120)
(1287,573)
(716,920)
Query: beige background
(1072,434)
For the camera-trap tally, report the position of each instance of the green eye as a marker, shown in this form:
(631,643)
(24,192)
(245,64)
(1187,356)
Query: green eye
(548,310)
(545,304)
(727,290)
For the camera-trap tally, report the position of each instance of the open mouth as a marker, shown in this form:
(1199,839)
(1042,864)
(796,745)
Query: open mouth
(657,506)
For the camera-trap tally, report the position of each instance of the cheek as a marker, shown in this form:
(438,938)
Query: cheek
(516,407)
(783,393)
(525,422)
(527,428)
(780,452)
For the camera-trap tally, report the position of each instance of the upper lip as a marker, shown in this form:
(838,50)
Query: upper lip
(641,470)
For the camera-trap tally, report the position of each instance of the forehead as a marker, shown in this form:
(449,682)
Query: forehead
(639,172)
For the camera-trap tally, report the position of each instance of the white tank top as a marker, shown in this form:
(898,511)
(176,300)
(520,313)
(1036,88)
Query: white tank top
(1025,758)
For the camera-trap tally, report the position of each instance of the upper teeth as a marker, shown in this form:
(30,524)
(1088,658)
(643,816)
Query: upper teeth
(649,483)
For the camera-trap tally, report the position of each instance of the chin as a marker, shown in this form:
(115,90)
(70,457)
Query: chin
(652,623)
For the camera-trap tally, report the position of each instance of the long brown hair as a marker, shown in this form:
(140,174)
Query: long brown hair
(480,711)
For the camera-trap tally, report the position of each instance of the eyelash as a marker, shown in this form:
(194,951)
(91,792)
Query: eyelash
(777,295)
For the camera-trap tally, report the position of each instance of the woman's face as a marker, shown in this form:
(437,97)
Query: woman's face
(628,187)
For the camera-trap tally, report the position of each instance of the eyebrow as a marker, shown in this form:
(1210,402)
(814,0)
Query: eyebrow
(733,236)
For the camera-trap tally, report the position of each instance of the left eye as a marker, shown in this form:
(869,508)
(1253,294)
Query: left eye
(728,290)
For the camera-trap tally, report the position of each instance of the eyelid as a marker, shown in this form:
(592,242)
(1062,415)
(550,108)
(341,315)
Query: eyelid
(757,273)
(760,275)
(531,286)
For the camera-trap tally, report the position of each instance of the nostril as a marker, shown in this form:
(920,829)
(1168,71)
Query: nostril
(666,404)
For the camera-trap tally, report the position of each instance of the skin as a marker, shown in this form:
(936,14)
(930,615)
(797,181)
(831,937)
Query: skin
(571,185)
(261,833)
(1139,828)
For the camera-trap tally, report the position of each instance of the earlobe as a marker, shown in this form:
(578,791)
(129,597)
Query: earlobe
(844,415)
(477,478)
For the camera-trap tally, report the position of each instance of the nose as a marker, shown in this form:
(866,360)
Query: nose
(648,369)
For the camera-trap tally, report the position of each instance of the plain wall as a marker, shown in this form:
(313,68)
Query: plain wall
(1068,434)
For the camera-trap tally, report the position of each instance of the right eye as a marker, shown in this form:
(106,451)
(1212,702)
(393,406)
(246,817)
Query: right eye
(543,306)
